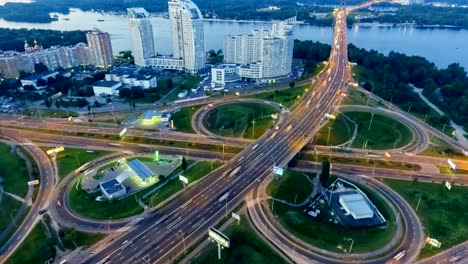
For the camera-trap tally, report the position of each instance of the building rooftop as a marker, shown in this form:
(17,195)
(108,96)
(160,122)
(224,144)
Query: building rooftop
(40,75)
(140,169)
(124,71)
(137,12)
(108,84)
(356,205)
(112,186)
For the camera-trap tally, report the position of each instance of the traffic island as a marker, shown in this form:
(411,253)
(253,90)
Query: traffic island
(240,119)
(114,190)
(320,223)
(442,211)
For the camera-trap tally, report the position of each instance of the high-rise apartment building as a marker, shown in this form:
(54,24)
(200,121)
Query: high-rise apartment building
(141,32)
(273,49)
(101,48)
(188,36)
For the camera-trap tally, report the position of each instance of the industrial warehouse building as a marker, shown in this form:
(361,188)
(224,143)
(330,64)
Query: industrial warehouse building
(356,206)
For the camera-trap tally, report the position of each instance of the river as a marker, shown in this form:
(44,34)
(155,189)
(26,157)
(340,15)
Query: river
(441,46)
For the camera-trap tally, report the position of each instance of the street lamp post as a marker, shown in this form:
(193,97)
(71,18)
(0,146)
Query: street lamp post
(351,246)
(253,129)
(328,138)
(372,118)
(183,240)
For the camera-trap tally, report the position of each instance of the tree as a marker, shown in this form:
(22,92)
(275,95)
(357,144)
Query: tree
(325,172)
(29,87)
(39,67)
(170,84)
(48,102)
(57,104)
(41,82)
(292,84)
(184,164)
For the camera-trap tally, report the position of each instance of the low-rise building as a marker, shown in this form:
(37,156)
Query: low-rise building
(356,206)
(32,80)
(106,88)
(132,78)
(113,189)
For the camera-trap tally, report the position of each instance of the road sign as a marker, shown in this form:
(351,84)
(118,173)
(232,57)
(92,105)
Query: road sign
(32,183)
(156,156)
(122,133)
(448,185)
(235,216)
(433,242)
(277,170)
(55,150)
(183,179)
(219,237)
(452,165)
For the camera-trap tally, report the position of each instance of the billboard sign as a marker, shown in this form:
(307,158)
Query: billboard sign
(235,216)
(122,133)
(448,185)
(433,242)
(277,170)
(183,179)
(219,237)
(32,183)
(55,150)
(452,165)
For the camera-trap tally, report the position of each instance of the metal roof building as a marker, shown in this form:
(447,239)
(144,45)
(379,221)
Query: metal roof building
(356,206)
(140,169)
(113,189)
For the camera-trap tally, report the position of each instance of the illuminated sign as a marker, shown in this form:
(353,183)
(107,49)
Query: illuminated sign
(122,133)
(235,216)
(32,183)
(448,185)
(329,116)
(219,237)
(452,164)
(278,170)
(156,156)
(433,242)
(183,179)
(55,150)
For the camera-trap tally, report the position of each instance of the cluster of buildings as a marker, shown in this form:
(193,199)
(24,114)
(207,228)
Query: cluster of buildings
(97,52)
(263,55)
(123,77)
(188,38)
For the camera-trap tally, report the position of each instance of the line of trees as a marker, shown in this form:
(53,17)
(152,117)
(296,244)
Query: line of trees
(389,77)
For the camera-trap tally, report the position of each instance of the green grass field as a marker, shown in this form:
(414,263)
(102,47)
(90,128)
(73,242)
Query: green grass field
(293,186)
(8,209)
(286,97)
(246,247)
(442,212)
(39,246)
(328,236)
(236,119)
(383,133)
(53,112)
(70,159)
(355,97)
(440,148)
(196,172)
(182,118)
(13,171)
(341,131)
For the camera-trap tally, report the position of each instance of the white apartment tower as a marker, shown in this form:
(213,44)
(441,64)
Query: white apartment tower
(141,32)
(188,36)
(272,48)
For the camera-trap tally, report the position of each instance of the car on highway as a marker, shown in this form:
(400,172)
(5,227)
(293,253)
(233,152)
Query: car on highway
(43,211)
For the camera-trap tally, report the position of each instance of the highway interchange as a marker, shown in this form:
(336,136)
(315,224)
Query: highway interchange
(162,235)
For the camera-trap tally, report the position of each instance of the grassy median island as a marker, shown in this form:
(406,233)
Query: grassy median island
(292,187)
(183,118)
(236,120)
(341,130)
(84,203)
(286,97)
(246,247)
(54,113)
(40,245)
(440,148)
(8,209)
(384,132)
(71,159)
(442,212)
(13,171)
(330,236)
